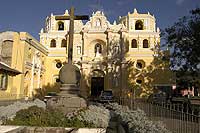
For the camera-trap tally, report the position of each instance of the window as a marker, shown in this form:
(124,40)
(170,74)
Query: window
(98,48)
(53,43)
(134,43)
(139,25)
(79,50)
(138,81)
(3,81)
(140,64)
(60,26)
(58,64)
(145,43)
(64,43)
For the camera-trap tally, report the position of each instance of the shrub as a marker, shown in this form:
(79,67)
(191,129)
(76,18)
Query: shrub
(36,116)
(136,120)
(9,112)
(98,115)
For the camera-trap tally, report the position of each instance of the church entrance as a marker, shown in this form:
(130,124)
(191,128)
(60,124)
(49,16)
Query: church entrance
(97,83)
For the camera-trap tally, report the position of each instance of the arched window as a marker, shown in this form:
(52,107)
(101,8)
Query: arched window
(139,25)
(53,43)
(61,26)
(98,48)
(145,43)
(64,43)
(134,43)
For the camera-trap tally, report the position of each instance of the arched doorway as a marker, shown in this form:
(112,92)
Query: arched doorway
(97,82)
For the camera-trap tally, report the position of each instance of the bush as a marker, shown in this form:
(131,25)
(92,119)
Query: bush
(136,120)
(9,112)
(98,115)
(36,116)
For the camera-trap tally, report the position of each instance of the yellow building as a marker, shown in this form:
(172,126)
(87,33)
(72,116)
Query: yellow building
(21,52)
(103,52)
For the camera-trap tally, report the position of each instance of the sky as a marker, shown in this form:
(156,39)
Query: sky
(29,15)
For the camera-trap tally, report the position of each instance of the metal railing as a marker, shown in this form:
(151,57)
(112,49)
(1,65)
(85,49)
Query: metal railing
(178,118)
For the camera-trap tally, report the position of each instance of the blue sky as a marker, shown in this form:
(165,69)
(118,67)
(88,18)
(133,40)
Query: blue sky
(29,15)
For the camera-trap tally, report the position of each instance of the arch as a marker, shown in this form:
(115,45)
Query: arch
(134,43)
(145,43)
(64,43)
(139,25)
(98,48)
(97,73)
(53,43)
(93,43)
(61,25)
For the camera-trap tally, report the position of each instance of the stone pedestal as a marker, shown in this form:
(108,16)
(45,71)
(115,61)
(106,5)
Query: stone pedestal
(68,100)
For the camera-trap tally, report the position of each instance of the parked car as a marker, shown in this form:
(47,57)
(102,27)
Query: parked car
(49,96)
(106,96)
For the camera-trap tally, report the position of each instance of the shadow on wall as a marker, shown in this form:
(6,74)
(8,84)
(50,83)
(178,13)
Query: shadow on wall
(41,92)
(157,73)
(85,86)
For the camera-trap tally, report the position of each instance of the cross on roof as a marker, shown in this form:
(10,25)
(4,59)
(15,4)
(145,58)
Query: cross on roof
(71,17)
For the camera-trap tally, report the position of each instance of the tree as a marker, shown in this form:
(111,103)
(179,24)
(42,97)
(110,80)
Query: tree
(184,40)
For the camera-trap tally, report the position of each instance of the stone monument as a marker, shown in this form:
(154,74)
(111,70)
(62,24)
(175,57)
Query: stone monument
(69,98)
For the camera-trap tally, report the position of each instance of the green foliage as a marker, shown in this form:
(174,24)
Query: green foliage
(35,116)
(184,40)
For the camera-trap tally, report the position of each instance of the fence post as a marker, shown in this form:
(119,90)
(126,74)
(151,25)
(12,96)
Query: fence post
(198,119)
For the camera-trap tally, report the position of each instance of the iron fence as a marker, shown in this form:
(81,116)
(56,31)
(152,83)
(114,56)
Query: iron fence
(178,118)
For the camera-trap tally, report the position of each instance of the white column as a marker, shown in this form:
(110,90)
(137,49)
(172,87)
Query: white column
(32,77)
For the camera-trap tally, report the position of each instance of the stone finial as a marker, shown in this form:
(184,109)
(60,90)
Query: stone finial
(42,30)
(128,13)
(51,14)
(92,13)
(102,13)
(120,17)
(158,29)
(135,10)
(114,23)
(98,12)
(148,13)
(66,12)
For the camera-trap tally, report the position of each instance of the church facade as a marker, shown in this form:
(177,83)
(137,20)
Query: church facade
(102,51)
